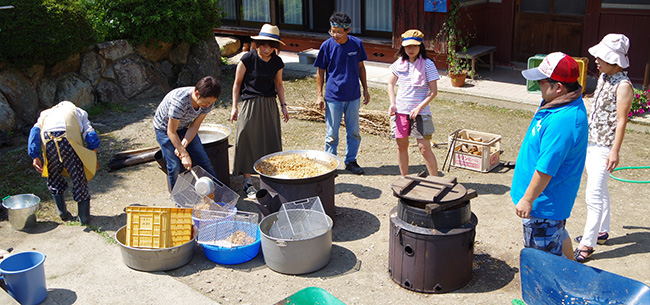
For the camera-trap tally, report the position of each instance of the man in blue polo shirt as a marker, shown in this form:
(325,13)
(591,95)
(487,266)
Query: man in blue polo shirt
(552,156)
(341,57)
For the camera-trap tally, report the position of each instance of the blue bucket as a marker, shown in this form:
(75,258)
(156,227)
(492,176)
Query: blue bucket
(24,275)
(235,255)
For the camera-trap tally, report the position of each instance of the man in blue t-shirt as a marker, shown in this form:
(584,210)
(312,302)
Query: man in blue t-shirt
(341,57)
(551,158)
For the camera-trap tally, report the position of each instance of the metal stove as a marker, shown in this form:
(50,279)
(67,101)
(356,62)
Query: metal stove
(432,231)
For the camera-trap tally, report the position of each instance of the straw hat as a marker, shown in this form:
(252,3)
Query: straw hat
(269,32)
(412,38)
(613,50)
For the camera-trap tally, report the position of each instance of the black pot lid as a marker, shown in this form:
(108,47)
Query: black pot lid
(431,189)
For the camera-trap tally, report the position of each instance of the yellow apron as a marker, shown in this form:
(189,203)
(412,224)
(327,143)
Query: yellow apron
(73,134)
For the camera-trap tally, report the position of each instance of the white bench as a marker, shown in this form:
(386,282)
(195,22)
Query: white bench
(475,53)
(308,56)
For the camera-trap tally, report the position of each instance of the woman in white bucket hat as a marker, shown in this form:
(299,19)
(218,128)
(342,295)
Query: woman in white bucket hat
(609,112)
(258,82)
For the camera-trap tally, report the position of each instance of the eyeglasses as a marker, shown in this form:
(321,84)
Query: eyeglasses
(333,34)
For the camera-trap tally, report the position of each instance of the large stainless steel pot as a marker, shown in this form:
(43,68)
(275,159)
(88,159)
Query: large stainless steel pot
(214,138)
(317,155)
(154,259)
(290,189)
(295,256)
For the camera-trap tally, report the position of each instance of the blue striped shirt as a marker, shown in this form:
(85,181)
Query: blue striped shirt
(177,104)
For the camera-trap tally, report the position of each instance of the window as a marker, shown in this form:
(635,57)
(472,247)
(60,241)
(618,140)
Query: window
(292,11)
(256,10)
(369,17)
(229,9)
(560,7)
(379,15)
(373,18)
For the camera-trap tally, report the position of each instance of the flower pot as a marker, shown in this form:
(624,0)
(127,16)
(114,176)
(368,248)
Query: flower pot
(457,80)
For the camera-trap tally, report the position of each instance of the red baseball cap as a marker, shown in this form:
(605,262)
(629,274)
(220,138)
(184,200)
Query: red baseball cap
(556,66)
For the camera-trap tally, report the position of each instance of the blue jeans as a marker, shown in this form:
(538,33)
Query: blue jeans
(334,112)
(174,166)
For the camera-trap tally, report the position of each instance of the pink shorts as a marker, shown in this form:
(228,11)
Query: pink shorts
(403,127)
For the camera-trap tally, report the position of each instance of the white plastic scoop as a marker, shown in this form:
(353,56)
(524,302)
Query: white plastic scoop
(204,185)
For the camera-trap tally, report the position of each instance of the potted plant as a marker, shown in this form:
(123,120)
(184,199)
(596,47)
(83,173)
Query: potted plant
(640,103)
(454,40)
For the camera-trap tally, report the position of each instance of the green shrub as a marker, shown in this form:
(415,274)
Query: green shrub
(141,20)
(42,31)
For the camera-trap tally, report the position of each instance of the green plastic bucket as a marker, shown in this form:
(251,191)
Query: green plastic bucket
(311,296)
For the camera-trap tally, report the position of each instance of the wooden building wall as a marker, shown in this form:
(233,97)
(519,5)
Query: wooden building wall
(633,23)
(486,23)
(410,14)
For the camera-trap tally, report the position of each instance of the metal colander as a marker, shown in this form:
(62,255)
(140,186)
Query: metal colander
(185,195)
(227,230)
(300,219)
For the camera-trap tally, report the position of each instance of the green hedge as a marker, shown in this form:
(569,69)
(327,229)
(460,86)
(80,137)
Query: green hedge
(140,20)
(48,31)
(42,31)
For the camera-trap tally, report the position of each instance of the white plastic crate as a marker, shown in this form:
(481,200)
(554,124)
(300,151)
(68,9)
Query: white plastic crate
(475,150)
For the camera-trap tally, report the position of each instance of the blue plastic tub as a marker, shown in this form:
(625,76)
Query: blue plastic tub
(234,255)
(547,279)
(24,275)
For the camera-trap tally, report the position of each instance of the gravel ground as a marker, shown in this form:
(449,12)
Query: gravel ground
(358,270)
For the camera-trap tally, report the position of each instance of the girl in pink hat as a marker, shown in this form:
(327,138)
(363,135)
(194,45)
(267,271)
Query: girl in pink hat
(610,105)
(417,77)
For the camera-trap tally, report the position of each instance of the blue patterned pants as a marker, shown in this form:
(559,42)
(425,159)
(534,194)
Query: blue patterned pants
(545,234)
(56,183)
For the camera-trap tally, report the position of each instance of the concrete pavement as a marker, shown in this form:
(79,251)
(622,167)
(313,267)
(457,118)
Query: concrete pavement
(75,275)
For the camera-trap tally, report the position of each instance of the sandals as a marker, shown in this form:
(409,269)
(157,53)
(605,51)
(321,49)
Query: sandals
(602,239)
(580,256)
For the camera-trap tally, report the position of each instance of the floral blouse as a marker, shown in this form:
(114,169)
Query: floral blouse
(602,121)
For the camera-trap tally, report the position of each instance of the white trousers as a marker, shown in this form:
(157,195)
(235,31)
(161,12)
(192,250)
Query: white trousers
(597,194)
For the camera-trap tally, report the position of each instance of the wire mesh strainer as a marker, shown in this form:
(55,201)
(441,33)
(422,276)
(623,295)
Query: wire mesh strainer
(300,219)
(227,230)
(185,195)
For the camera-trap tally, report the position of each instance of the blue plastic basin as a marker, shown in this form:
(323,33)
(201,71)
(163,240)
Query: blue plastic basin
(234,255)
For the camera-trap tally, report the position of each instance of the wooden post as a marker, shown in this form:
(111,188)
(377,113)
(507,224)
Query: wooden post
(646,76)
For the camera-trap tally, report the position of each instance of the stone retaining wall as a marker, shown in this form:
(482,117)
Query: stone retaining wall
(112,71)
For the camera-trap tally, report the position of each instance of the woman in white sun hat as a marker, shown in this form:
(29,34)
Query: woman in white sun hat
(610,106)
(258,81)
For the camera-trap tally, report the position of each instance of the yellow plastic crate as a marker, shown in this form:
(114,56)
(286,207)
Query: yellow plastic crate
(157,227)
(181,226)
(583,64)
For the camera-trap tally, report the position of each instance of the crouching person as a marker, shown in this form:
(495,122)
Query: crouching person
(61,132)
